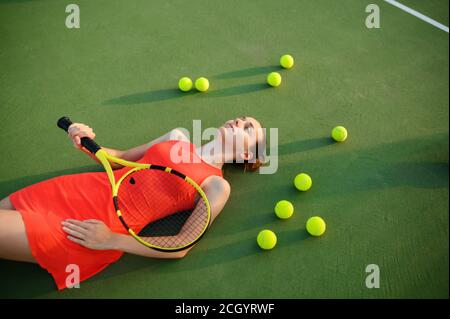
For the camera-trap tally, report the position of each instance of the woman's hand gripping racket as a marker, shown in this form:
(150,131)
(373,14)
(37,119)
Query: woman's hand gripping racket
(160,207)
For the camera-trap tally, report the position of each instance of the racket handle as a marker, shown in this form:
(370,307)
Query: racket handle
(64,123)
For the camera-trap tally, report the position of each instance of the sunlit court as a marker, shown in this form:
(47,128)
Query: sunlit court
(316,136)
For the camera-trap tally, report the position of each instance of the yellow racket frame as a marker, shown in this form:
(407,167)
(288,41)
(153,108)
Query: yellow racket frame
(105,159)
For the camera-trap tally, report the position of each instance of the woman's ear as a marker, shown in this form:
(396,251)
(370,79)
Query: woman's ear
(246,156)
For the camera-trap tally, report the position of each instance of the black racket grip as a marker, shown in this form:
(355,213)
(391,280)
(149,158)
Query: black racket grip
(64,123)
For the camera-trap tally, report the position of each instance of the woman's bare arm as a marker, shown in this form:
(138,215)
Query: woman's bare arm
(77,131)
(135,153)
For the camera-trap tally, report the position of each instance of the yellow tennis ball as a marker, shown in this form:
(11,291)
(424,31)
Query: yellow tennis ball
(274,79)
(303,182)
(202,84)
(316,226)
(339,133)
(287,61)
(266,239)
(185,84)
(284,209)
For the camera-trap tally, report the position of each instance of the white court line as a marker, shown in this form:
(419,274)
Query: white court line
(418,15)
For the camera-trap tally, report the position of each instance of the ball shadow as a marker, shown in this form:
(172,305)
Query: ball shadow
(247,72)
(237,90)
(147,97)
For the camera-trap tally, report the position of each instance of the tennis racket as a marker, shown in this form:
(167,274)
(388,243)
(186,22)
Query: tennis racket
(160,207)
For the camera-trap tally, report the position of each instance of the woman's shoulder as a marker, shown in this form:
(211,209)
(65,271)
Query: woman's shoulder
(216,182)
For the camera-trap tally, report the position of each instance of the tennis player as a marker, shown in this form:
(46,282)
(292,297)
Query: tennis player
(68,220)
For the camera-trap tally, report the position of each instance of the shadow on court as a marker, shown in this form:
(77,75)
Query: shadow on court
(243,247)
(247,72)
(416,163)
(200,258)
(304,145)
(167,94)
(24,280)
(174,93)
(147,97)
(15,1)
(7,187)
(345,172)
(236,90)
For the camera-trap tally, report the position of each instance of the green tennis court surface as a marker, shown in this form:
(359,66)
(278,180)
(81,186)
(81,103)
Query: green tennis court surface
(383,193)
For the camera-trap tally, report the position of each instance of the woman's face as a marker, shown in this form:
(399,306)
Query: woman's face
(240,136)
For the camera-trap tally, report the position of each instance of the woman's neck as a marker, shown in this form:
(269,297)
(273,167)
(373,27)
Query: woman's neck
(212,153)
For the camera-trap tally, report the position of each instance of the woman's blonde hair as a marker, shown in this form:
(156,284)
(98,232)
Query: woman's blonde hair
(252,166)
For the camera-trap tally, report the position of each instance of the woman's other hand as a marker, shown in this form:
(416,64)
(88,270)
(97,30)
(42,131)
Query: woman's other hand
(92,233)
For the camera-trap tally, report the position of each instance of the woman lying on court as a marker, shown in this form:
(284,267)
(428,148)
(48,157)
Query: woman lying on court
(71,219)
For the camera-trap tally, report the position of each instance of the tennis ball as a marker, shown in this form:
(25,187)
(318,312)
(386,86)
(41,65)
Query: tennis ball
(339,134)
(185,84)
(287,61)
(202,84)
(266,239)
(274,79)
(284,209)
(303,182)
(315,226)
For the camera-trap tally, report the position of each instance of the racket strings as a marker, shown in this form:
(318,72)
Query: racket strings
(149,196)
(191,229)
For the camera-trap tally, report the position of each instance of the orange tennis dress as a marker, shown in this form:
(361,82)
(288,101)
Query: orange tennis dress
(46,204)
